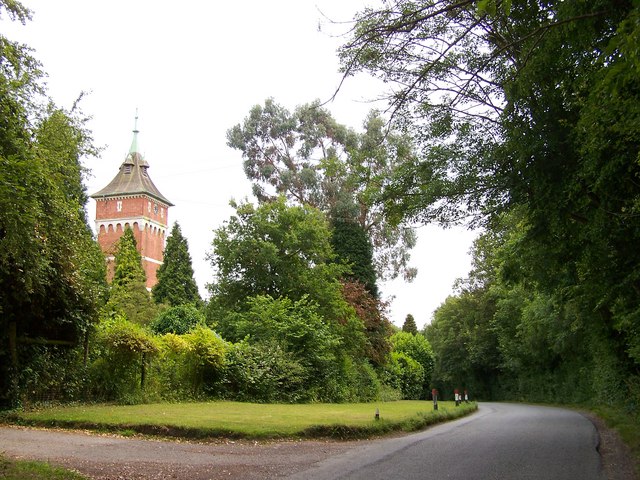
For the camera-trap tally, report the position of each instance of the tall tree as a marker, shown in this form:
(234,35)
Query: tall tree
(128,295)
(313,160)
(483,80)
(51,274)
(128,261)
(353,248)
(505,334)
(278,258)
(176,285)
(465,345)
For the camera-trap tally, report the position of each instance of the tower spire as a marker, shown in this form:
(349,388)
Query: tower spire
(134,142)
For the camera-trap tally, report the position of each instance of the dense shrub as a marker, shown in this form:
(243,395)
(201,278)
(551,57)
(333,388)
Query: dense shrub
(205,358)
(352,381)
(179,320)
(417,347)
(170,375)
(51,374)
(403,373)
(263,372)
(130,364)
(296,327)
(389,394)
(317,353)
(120,357)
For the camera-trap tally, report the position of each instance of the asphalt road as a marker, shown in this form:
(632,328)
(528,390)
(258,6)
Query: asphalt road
(500,442)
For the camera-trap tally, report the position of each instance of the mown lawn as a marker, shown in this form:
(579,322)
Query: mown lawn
(249,420)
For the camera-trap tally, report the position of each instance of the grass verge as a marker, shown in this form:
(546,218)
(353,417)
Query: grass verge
(627,425)
(248,420)
(28,470)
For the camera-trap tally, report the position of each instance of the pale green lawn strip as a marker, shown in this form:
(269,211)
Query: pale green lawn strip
(242,418)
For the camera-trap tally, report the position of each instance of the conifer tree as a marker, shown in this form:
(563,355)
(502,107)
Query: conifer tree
(129,295)
(176,285)
(409,325)
(128,261)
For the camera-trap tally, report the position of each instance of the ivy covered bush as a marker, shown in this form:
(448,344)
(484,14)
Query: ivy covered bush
(120,354)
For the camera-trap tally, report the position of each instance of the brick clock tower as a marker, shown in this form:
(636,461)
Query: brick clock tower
(131,199)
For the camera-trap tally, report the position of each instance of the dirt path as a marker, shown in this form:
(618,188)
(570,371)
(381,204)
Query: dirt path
(108,457)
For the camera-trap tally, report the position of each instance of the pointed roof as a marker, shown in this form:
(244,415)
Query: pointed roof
(133,176)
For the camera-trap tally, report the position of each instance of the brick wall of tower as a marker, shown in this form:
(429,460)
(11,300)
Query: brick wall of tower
(131,207)
(141,215)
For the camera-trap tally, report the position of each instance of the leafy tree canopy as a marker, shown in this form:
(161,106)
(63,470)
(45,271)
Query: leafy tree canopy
(179,319)
(496,99)
(276,250)
(295,326)
(528,111)
(312,160)
(465,345)
(51,274)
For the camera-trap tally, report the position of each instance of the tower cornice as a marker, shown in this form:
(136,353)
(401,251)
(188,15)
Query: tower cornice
(131,220)
(120,196)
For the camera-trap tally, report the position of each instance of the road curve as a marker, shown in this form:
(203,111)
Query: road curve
(500,442)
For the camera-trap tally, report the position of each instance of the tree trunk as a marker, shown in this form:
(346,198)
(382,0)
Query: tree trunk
(85,356)
(143,371)
(13,348)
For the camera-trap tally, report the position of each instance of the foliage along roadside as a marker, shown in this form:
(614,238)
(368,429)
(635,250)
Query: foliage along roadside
(342,429)
(527,123)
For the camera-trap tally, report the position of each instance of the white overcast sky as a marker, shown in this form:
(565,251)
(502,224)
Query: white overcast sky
(193,69)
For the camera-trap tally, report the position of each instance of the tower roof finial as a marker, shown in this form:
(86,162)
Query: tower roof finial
(134,142)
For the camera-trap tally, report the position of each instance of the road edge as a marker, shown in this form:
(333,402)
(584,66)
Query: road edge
(617,461)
